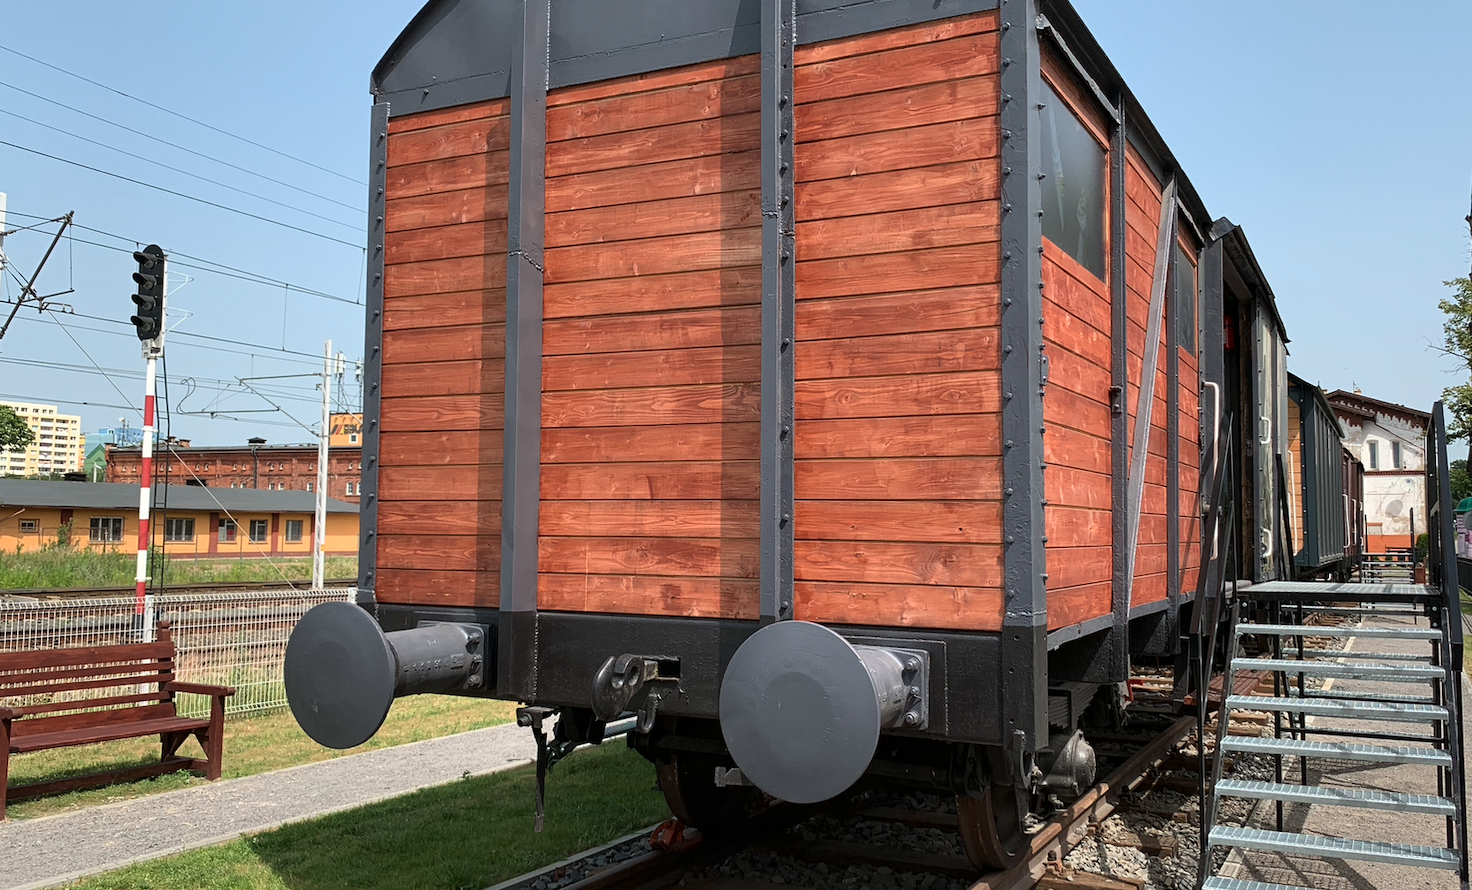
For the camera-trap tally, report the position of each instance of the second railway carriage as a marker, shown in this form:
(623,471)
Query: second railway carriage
(819,382)
(1321,480)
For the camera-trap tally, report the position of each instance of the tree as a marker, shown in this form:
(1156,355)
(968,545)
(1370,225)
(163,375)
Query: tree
(14,433)
(1457,342)
(1461,482)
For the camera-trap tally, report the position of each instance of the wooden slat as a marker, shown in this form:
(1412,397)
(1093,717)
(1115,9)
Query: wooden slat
(675,519)
(1067,447)
(648,595)
(445,310)
(438,587)
(620,151)
(705,100)
(446,448)
(471,239)
(721,480)
(655,256)
(439,118)
(1074,605)
(469,205)
(444,378)
(663,556)
(1074,411)
(972,55)
(433,344)
(471,137)
(477,553)
(82,656)
(109,701)
(655,219)
(132,676)
(952,309)
(953,435)
(476,273)
(683,290)
(432,518)
(898,110)
(884,273)
(1068,331)
(1078,488)
(945,226)
(705,441)
(655,405)
(1076,374)
(455,174)
(925,479)
(960,565)
(680,178)
(898,605)
(86,723)
(1074,527)
(879,41)
(430,413)
(901,354)
(725,326)
(95,671)
(964,182)
(1078,566)
(951,142)
(939,522)
(476,483)
(663,367)
(977,392)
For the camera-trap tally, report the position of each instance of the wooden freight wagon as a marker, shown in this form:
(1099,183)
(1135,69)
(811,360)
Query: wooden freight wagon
(1317,474)
(791,375)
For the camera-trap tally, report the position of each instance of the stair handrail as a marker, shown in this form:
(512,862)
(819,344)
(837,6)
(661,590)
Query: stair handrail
(1441,565)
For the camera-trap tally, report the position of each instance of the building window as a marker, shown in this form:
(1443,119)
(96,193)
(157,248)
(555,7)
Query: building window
(1184,300)
(1395,456)
(259,528)
(1374,455)
(30,525)
(106,530)
(227,531)
(309,486)
(181,530)
(352,438)
(350,489)
(1073,187)
(293,531)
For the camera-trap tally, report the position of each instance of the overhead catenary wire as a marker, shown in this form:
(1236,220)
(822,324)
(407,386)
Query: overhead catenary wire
(173,145)
(180,115)
(184,172)
(177,194)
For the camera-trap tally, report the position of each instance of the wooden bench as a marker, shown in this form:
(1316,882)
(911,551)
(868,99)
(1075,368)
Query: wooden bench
(132,690)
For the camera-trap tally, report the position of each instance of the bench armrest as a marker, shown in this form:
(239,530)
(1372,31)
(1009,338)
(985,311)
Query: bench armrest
(6,714)
(198,688)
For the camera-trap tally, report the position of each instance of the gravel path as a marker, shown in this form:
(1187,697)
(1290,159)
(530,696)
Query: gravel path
(56,849)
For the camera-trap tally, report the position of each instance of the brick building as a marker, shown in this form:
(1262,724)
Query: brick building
(255,465)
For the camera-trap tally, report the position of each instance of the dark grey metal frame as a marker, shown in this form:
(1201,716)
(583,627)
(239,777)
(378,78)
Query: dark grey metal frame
(1024,559)
(779,283)
(517,650)
(373,358)
(1173,449)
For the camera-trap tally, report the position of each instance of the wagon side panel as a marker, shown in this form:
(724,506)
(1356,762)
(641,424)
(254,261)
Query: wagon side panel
(651,343)
(898,452)
(443,381)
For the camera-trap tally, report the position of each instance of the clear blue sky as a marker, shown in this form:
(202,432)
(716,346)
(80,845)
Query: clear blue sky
(1338,135)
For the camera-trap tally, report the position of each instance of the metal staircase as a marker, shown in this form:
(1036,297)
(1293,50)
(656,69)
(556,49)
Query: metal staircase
(1412,720)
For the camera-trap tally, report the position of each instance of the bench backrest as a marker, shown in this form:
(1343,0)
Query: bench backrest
(62,689)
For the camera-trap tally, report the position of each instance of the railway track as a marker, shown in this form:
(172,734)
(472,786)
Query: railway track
(806,847)
(72,593)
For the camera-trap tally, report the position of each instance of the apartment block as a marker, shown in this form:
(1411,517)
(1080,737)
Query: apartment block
(60,445)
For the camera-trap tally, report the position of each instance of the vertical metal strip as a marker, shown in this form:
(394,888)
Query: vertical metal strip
(1173,447)
(1213,371)
(1145,402)
(779,282)
(517,659)
(1117,669)
(1025,616)
(372,360)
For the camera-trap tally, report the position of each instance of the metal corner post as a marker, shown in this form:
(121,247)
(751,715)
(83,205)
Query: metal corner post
(520,497)
(372,359)
(1173,455)
(1117,667)
(1025,617)
(779,281)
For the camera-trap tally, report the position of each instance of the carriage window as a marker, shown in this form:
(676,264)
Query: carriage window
(1073,187)
(1184,300)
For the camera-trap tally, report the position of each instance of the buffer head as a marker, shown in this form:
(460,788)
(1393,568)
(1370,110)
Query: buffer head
(339,675)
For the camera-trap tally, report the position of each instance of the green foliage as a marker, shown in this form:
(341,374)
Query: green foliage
(1457,340)
(63,565)
(14,433)
(1461,482)
(1423,547)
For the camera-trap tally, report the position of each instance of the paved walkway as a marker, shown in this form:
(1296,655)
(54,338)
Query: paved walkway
(1364,824)
(57,849)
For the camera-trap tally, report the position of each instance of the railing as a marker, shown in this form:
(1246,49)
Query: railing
(235,639)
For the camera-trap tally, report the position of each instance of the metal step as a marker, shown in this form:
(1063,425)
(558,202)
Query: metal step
(1337,848)
(1339,750)
(1234,884)
(1338,797)
(1294,630)
(1350,695)
(1377,592)
(1292,652)
(1396,673)
(1361,710)
(1368,611)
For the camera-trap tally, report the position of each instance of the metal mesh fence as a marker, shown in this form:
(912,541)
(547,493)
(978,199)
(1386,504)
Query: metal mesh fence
(231,639)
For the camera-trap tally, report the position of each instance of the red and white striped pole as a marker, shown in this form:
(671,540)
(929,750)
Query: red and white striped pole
(143,602)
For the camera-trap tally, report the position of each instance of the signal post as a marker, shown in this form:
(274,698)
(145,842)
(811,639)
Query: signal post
(149,322)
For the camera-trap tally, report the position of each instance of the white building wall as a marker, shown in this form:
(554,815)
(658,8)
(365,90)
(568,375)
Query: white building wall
(1393,495)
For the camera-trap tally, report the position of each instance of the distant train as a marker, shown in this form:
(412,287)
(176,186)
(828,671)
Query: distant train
(832,386)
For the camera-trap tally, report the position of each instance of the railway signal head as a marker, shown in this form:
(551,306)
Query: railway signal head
(149,319)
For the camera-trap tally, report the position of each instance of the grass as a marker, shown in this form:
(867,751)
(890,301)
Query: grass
(468,834)
(63,566)
(255,745)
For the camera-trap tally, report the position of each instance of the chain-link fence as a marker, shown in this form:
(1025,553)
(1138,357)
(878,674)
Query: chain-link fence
(231,639)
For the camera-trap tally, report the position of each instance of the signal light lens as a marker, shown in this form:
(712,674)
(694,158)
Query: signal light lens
(146,260)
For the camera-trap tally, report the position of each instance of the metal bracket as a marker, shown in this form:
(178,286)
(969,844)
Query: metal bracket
(632,682)
(533,716)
